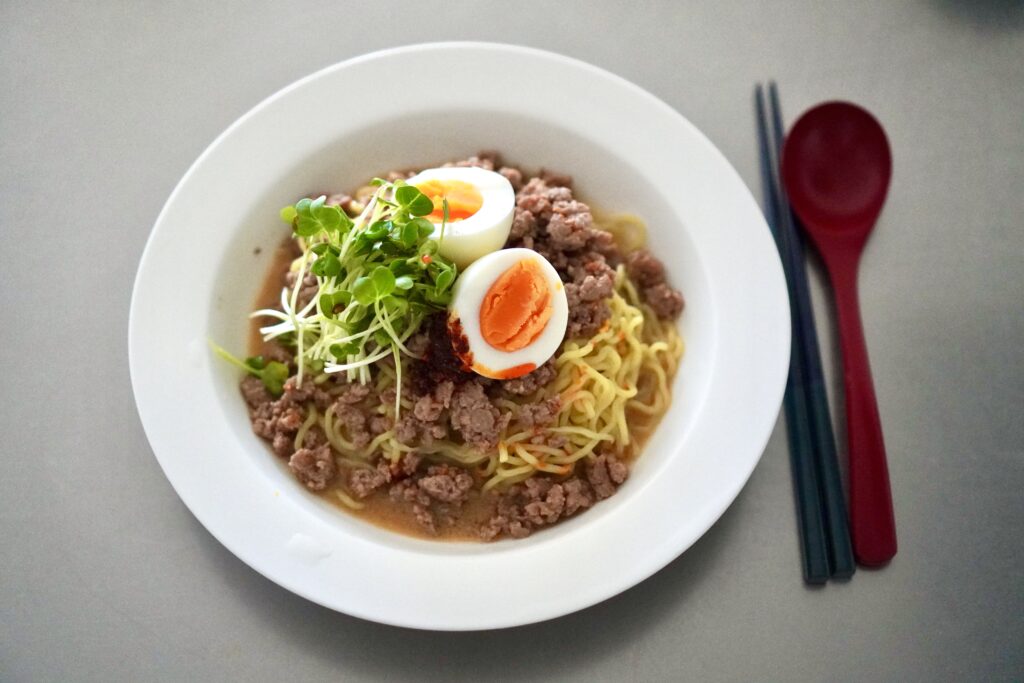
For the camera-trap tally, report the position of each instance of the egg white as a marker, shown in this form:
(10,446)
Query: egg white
(485,231)
(471,288)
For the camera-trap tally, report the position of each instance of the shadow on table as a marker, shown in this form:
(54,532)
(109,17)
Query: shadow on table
(985,14)
(610,629)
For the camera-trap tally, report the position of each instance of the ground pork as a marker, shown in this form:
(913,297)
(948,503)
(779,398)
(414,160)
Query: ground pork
(577,496)
(429,407)
(531,381)
(308,391)
(513,175)
(410,431)
(408,491)
(277,421)
(362,482)
(605,473)
(446,483)
(560,228)
(569,225)
(353,419)
(254,391)
(476,419)
(648,272)
(314,467)
(665,301)
(539,414)
(541,501)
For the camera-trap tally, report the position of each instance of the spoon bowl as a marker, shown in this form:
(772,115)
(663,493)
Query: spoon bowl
(836,166)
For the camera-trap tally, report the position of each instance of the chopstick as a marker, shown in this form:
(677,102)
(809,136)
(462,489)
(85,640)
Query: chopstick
(830,484)
(821,509)
(810,523)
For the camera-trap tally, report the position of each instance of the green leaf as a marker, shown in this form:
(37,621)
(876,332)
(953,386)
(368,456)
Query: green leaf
(288,214)
(420,308)
(444,280)
(403,282)
(326,302)
(330,301)
(407,194)
(346,222)
(423,226)
(382,338)
(358,318)
(421,206)
(377,231)
(401,266)
(410,234)
(340,351)
(383,281)
(363,246)
(313,217)
(327,265)
(256,362)
(391,248)
(395,304)
(320,248)
(274,376)
(329,217)
(363,291)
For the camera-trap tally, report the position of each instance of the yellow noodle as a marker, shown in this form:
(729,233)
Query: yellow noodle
(300,435)
(348,500)
(612,387)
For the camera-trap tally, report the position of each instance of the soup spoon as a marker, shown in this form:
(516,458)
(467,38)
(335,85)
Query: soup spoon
(836,166)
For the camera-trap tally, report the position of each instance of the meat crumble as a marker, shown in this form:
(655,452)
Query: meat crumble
(448,402)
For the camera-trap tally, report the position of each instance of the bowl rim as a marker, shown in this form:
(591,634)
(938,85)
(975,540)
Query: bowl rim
(776,357)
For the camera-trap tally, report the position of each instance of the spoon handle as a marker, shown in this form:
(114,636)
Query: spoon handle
(872,525)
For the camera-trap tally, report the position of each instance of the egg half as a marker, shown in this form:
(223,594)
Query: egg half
(508,313)
(481,205)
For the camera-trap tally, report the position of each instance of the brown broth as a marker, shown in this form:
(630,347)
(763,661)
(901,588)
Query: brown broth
(269,294)
(464,525)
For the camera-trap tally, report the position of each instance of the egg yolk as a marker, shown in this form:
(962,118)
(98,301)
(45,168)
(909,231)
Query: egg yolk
(516,308)
(464,199)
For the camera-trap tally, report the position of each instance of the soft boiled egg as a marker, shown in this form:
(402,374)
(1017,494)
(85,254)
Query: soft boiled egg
(508,313)
(481,205)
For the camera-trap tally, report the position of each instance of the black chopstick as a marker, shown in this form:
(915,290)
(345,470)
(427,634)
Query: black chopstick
(830,485)
(810,518)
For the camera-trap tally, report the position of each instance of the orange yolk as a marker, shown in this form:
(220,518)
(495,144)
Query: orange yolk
(464,199)
(516,308)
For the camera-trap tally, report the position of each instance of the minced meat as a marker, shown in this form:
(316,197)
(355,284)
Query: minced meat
(549,220)
(450,402)
(314,467)
(541,501)
(648,272)
(476,418)
(531,381)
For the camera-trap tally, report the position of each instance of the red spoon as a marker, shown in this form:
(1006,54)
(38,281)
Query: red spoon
(836,166)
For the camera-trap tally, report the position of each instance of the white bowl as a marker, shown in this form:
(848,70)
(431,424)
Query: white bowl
(417,106)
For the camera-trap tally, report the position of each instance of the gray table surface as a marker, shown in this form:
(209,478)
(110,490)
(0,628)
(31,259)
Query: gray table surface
(104,575)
